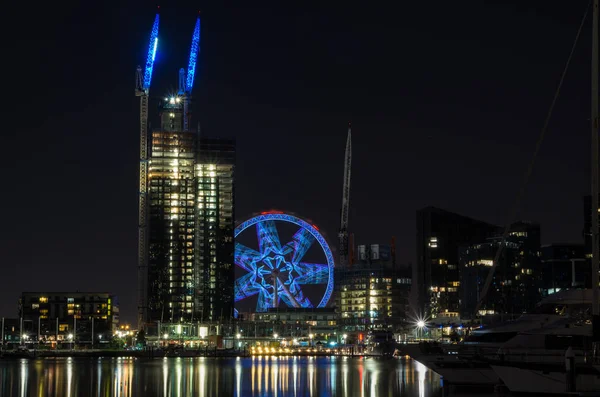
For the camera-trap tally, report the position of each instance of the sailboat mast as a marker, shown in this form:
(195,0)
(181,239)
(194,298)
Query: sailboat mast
(594,120)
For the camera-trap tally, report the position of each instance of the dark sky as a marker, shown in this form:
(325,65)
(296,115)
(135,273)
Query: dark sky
(446,101)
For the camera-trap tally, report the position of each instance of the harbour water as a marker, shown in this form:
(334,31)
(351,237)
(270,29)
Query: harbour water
(256,376)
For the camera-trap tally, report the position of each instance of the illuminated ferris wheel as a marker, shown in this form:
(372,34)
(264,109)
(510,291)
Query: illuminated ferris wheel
(275,272)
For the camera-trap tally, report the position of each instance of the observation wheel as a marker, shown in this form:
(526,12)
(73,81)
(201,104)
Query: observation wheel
(274,272)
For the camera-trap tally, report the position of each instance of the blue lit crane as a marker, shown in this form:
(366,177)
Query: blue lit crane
(186,81)
(142,89)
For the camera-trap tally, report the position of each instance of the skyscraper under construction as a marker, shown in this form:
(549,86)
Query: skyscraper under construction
(187,208)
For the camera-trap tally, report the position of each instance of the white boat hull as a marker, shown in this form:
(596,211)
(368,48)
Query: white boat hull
(461,372)
(525,380)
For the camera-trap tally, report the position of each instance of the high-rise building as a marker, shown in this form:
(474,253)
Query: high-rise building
(565,266)
(372,293)
(436,278)
(191,222)
(215,226)
(516,282)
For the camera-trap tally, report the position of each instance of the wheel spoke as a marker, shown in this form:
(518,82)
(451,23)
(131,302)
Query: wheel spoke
(264,300)
(302,300)
(246,286)
(300,244)
(246,257)
(311,273)
(287,296)
(268,238)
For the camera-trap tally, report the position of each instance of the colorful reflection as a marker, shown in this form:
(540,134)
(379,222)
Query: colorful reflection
(256,376)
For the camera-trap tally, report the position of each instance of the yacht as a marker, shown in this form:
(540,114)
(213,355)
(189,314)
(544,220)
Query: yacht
(469,362)
(380,343)
(534,361)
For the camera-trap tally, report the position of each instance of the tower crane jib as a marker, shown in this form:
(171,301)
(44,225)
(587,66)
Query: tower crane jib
(151,54)
(191,71)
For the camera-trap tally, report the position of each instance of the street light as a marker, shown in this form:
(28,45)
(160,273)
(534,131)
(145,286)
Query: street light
(238,336)
(421,325)
(71,340)
(275,336)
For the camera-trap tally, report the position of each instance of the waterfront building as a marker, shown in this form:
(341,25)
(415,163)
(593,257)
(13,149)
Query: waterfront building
(372,293)
(318,324)
(516,283)
(436,276)
(191,179)
(186,207)
(564,266)
(53,316)
(10,332)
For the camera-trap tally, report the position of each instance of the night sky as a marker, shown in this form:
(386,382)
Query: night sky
(446,101)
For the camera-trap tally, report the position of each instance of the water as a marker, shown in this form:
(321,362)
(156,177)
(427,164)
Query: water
(264,376)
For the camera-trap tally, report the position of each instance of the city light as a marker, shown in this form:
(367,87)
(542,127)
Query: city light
(238,336)
(420,323)
(275,336)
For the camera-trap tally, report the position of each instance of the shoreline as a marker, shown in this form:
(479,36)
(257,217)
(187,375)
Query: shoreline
(162,354)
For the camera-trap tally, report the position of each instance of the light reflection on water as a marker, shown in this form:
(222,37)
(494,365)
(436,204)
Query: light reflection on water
(256,376)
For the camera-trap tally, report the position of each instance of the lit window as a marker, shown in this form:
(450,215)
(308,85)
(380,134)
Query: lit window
(433,242)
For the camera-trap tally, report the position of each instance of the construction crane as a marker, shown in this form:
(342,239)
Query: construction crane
(142,89)
(343,233)
(186,82)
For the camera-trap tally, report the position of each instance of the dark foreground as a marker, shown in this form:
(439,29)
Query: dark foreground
(256,376)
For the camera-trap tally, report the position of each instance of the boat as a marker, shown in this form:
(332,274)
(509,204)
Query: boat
(561,359)
(380,343)
(535,361)
(468,363)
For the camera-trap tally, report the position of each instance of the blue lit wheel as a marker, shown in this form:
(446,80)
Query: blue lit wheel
(273,272)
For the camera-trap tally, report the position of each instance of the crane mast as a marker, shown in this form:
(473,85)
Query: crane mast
(343,233)
(142,89)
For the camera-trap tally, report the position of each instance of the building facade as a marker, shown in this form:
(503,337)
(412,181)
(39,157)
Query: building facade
(52,315)
(315,323)
(191,223)
(372,294)
(516,281)
(436,276)
(564,266)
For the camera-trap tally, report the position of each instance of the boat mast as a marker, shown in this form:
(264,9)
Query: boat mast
(595,231)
